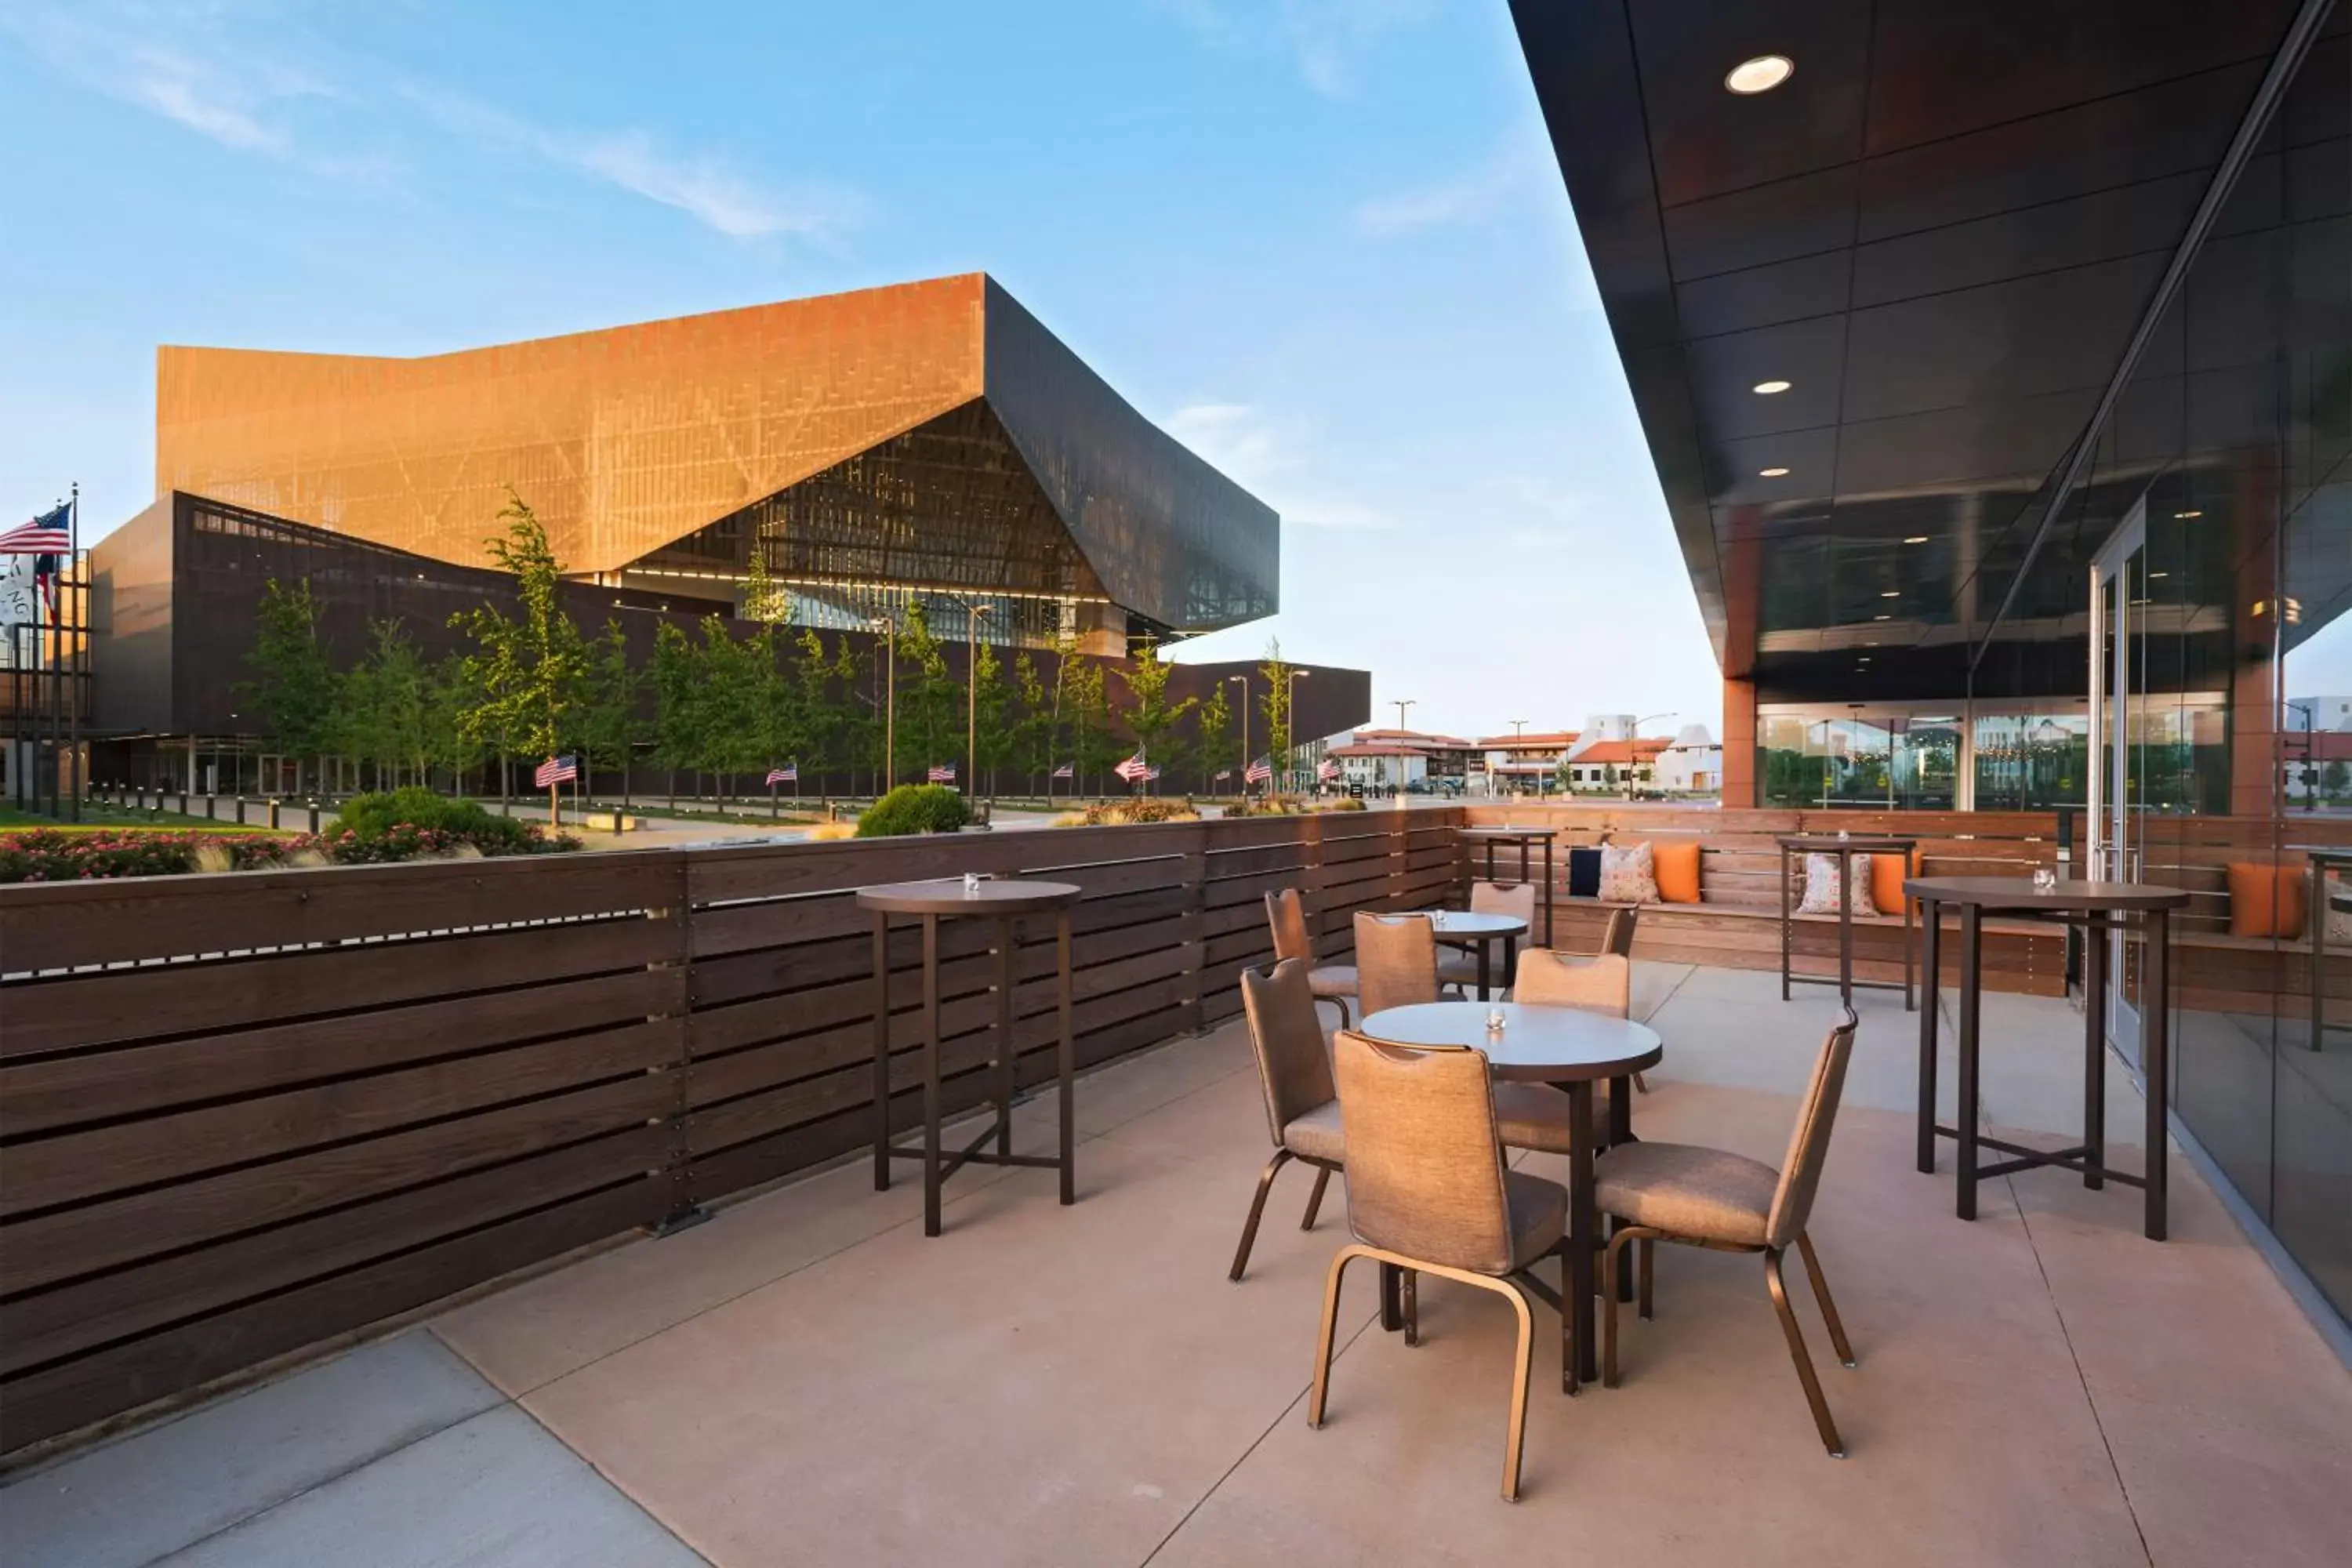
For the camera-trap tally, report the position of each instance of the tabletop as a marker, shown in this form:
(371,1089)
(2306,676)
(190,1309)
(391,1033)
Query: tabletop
(949,896)
(1475,923)
(1535,1044)
(1504,832)
(2019,893)
(1860,842)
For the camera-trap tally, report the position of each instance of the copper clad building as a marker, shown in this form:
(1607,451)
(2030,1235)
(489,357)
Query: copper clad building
(926,439)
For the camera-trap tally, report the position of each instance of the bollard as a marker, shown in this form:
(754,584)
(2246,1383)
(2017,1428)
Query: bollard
(273,811)
(212,808)
(314,818)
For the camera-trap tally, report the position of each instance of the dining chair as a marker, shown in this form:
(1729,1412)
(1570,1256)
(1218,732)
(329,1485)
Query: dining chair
(1428,1193)
(1516,899)
(1603,984)
(1332,982)
(1729,1203)
(1302,1108)
(1618,938)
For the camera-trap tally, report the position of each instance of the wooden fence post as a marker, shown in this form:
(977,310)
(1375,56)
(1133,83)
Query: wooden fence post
(681,1211)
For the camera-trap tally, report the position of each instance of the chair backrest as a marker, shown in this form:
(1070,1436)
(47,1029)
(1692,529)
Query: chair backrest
(1809,1145)
(1396,961)
(1288,918)
(1602,985)
(1425,1164)
(1287,1040)
(1619,938)
(1514,898)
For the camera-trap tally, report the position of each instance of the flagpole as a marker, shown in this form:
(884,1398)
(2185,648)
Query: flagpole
(81,618)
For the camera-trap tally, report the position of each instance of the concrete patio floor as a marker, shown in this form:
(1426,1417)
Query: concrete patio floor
(807,1379)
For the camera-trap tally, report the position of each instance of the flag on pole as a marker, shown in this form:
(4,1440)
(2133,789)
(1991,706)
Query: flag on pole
(1258,772)
(48,534)
(941,772)
(1134,768)
(556,771)
(789,773)
(1222,775)
(1067,771)
(1329,771)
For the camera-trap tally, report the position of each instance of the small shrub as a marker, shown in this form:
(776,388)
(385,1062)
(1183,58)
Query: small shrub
(405,824)
(1345,803)
(915,808)
(47,855)
(1120,812)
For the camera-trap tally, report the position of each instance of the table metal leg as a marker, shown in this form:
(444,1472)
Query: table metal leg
(1510,960)
(2094,1047)
(1007,945)
(1931,923)
(1067,1059)
(1583,1236)
(931,1074)
(1547,891)
(881,1052)
(1964,1116)
(1784,924)
(1906,940)
(1485,970)
(2156,1050)
(1845,927)
(1621,1131)
(1391,1298)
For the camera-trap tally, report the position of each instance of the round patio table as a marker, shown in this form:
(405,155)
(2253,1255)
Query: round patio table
(1565,1047)
(2101,907)
(1481,928)
(1005,902)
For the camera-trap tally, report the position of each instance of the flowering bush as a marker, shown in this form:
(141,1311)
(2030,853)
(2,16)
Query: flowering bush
(49,855)
(1118,813)
(1291,806)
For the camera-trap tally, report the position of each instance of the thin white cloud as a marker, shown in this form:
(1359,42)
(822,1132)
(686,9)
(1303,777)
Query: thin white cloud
(1507,181)
(1271,461)
(1327,40)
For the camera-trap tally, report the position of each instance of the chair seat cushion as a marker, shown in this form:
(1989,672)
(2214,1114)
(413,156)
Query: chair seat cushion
(1539,1214)
(1705,1194)
(1316,1134)
(1535,1116)
(1332,980)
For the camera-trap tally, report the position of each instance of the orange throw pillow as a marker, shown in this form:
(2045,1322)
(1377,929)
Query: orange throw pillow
(1887,877)
(1677,867)
(2265,900)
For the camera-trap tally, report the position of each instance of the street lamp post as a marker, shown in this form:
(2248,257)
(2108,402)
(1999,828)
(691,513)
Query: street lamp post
(1243,681)
(1290,707)
(1400,704)
(1518,734)
(889,630)
(972,617)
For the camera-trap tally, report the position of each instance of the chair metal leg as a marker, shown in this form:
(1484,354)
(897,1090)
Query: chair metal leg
(1641,1084)
(1521,1374)
(1315,1198)
(1797,1353)
(1258,1206)
(1342,1003)
(1821,1295)
(1411,1292)
(1649,1253)
(1611,1262)
(1323,1337)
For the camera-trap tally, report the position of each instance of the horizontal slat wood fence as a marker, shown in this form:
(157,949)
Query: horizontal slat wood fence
(242,1114)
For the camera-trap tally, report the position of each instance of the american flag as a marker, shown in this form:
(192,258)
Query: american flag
(1222,775)
(1067,769)
(1134,768)
(1258,772)
(1328,769)
(789,773)
(941,772)
(50,535)
(556,771)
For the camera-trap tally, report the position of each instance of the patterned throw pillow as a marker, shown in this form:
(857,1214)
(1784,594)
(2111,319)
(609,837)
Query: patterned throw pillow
(1628,876)
(1822,885)
(2339,916)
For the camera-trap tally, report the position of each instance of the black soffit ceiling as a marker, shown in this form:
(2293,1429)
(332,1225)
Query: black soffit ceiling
(1941,231)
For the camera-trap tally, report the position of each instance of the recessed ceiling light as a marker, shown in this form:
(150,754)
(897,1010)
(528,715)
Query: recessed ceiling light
(1773,473)
(1917,539)
(2188,514)
(2153,576)
(1892,594)
(1762,74)
(1882,617)
(1767,388)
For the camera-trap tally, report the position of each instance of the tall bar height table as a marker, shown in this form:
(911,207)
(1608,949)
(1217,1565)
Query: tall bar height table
(1845,849)
(1005,902)
(2100,906)
(1525,838)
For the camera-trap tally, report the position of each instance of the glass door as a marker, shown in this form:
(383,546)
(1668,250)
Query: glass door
(2126,752)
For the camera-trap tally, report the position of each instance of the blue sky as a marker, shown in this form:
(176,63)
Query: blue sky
(1321,241)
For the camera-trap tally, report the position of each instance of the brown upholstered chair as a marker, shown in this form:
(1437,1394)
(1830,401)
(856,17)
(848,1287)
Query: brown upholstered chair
(1428,1192)
(1302,1108)
(1618,938)
(1705,1197)
(1603,984)
(1396,966)
(1332,982)
(1516,899)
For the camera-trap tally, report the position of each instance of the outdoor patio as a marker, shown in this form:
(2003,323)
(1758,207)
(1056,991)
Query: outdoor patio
(807,1379)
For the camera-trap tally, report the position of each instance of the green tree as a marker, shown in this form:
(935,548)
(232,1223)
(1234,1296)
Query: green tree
(1033,737)
(678,712)
(448,693)
(1151,717)
(1217,746)
(991,701)
(1274,706)
(2333,779)
(930,707)
(387,709)
(529,668)
(294,690)
(610,723)
(764,599)
(732,695)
